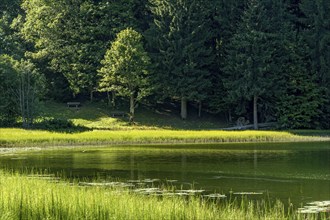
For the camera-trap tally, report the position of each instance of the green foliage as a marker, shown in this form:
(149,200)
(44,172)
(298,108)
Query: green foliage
(10,41)
(72,36)
(317,34)
(301,99)
(22,86)
(11,6)
(251,71)
(219,53)
(8,106)
(225,17)
(125,67)
(250,55)
(28,87)
(57,124)
(178,38)
(55,29)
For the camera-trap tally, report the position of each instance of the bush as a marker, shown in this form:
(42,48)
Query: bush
(6,121)
(54,124)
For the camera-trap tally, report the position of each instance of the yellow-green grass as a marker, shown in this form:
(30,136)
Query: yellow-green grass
(22,197)
(10,137)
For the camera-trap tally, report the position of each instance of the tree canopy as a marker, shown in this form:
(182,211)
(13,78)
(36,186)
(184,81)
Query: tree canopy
(125,68)
(264,60)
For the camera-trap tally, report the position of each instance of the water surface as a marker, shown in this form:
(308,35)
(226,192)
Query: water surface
(299,171)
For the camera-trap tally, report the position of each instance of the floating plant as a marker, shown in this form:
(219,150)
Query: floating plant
(215,195)
(134,181)
(150,180)
(149,191)
(109,184)
(247,193)
(44,176)
(171,181)
(191,191)
(320,203)
(315,207)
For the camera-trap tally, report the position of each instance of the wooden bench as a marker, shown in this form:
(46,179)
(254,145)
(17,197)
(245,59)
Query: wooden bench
(73,104)
(118,113)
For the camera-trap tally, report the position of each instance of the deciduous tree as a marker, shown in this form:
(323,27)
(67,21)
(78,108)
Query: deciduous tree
(125,68)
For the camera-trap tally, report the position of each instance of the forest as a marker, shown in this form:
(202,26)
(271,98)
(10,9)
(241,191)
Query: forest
(264,60)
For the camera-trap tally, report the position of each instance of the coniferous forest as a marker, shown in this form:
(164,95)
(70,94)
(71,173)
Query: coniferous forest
(264,60)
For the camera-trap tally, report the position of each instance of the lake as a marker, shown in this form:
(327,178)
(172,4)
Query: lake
(296,171)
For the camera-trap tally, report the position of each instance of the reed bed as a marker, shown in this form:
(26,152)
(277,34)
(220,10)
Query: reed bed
(22,197)
(18,137)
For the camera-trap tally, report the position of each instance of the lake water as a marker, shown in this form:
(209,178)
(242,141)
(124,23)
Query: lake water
(299,171)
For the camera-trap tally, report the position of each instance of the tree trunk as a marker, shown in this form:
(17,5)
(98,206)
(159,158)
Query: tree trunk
(113,100)
(255,112)
(108,96)
(183,108)
(230,119)
(22,100)
(200,109)
(91,96)
(131,108)
(28,104)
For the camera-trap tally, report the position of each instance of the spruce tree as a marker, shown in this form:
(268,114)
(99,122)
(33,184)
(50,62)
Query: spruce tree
(225,15)
(300,100)
(178,39)
(250,62)
(317,33)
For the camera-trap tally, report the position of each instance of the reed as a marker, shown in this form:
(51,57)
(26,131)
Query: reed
(23,197)
(10,137)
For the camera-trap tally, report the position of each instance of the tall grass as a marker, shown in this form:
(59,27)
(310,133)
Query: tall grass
(19,137)
(22,197)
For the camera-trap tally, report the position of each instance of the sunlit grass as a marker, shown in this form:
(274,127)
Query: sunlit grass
(20,137)
(22,197)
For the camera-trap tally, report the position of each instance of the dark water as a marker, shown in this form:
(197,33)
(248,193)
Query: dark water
(299,171)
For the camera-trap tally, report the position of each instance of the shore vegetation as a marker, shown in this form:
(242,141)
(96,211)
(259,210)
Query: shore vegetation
(10,137)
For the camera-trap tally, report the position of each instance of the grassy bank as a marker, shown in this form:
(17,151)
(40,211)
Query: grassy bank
(24,138)
(22,197)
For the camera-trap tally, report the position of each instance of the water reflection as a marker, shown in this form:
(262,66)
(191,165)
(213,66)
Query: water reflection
(297,171)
